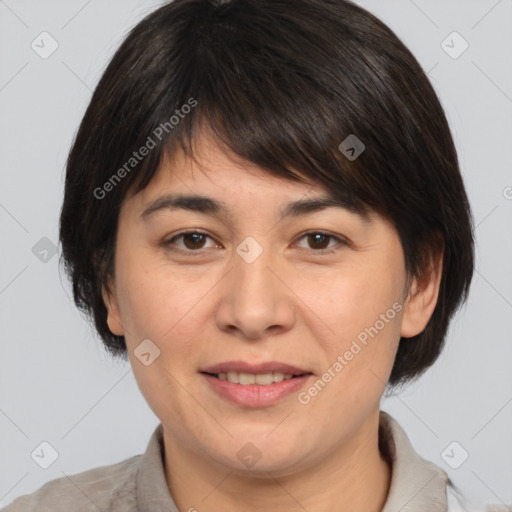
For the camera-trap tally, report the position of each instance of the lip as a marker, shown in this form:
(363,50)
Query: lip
(255,395)
(243,366)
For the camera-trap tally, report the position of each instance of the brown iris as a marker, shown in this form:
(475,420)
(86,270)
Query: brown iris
(319,238)
(196,240)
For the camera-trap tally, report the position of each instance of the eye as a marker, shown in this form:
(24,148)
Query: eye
(319,241)
(192,240)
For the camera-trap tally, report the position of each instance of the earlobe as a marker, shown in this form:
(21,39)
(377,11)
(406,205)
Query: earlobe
(113,316)
(421,300)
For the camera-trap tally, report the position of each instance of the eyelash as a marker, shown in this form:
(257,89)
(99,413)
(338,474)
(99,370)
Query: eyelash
(340,241)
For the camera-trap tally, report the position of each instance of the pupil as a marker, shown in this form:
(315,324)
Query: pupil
(317,238)
(195,239)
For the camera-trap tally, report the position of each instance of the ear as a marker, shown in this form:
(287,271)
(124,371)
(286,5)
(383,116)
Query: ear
(422,299)
(113,316)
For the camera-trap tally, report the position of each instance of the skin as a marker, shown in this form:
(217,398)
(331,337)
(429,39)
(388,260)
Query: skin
(294,304)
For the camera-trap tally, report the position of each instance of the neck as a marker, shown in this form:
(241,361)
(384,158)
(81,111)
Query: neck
(353,477)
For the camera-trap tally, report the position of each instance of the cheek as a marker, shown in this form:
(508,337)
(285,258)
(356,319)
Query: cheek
(162,305)
(362,309)
(365,318)
(150,298)
(355,300)
(155,305)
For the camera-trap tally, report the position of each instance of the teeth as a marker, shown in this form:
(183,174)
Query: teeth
(246,378)
(263,379)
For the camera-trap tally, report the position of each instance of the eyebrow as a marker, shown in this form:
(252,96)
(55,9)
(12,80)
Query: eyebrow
(213,207)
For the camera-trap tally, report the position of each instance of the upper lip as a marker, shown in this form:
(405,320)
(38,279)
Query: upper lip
(245,367)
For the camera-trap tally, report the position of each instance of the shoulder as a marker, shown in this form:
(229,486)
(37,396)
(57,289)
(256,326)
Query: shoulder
(109,487)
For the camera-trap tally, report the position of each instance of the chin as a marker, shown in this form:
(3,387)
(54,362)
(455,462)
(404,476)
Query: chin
(257,454)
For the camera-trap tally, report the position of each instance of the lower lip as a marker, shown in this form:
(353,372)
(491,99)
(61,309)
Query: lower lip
(255,395)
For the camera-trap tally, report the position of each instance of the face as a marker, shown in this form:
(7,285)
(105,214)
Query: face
(242,292)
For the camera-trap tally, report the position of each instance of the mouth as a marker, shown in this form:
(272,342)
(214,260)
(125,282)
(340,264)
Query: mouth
(261,379)
(255,385)
(262,374)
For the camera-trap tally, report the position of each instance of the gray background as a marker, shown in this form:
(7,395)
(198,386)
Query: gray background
(56,382)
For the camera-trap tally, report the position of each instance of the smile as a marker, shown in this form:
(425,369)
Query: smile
(255,390)
(261,379)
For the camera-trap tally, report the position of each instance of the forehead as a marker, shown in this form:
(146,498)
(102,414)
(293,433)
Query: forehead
(218,183)
(215,167)
(216,171)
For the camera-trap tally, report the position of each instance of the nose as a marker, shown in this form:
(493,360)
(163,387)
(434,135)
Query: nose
(255,301)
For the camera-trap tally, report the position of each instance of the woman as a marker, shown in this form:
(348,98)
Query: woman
(264,212)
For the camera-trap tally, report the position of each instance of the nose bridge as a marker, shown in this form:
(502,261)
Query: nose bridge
(251,274)
(251,267)
(254,300)
(251,261)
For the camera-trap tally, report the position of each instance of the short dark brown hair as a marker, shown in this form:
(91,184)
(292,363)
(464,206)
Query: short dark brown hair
(281,83)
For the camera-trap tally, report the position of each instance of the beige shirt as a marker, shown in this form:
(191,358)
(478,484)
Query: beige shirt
(138,484)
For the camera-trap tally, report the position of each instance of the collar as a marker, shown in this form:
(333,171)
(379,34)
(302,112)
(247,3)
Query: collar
(416,484)
(153,495)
